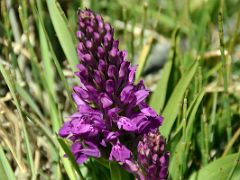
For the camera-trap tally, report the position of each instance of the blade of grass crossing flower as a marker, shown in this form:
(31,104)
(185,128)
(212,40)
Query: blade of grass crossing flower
(143,57)
(171,110)
(5,168)
(70,156)
(115,171)
(23,126)
(219,169)
(67,165)
(63,33)
(159,95)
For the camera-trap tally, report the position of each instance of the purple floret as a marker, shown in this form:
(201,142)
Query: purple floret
(120,153)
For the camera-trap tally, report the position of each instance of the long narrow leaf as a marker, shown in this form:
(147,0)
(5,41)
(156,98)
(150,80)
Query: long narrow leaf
(47,61)
(57,64)
(159,95)
(63,33)
(171,110)
(177,155)
(7,172)
(27,98)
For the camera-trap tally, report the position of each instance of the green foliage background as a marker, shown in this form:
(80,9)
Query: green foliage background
(197,90)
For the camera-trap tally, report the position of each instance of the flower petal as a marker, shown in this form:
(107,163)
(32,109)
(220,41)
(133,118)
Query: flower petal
(105,100)
(126,124)
(91,152)
(65,130)
(120,153)
(141,95)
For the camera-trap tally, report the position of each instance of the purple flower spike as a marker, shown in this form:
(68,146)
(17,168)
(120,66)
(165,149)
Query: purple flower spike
(112,115)
(152,157)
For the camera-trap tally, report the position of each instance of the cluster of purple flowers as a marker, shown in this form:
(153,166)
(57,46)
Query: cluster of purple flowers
(112,121)
(152,156)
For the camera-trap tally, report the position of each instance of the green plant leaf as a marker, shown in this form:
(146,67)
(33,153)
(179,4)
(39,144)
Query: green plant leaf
(115,171)
(219,169)
(63,33)
(55,60)
(5,168)
(171,110)
(103,162)
(178,153)
(47,60)
(159,95)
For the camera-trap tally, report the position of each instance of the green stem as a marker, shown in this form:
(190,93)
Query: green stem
(224,72)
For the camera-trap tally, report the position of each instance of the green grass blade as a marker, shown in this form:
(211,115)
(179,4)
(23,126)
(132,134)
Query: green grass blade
(71,157)
(159,95)
(54,57)
(219,169)
(226,103)
(47,61)
(63,33)
(171,110)
(27,98)
(192,115)
(5,168)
